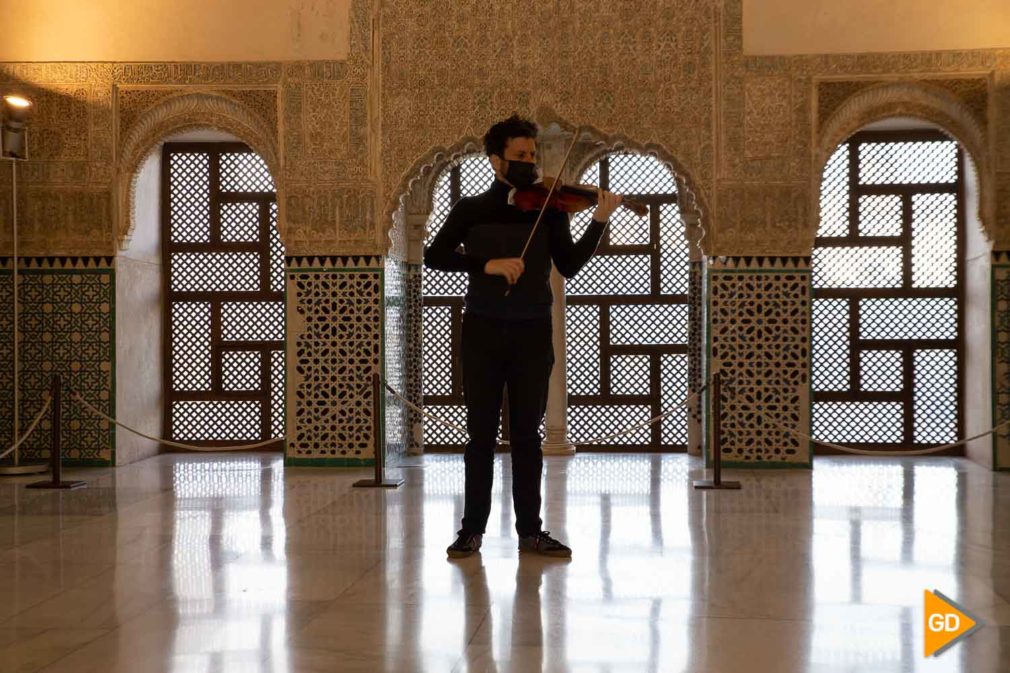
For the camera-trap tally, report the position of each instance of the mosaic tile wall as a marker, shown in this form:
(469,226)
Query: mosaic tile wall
(1001,355)
(402,292)
(759,338)
(334,336)
(415,422)
(395,356)
(67,326)
(6,355)
(695,358)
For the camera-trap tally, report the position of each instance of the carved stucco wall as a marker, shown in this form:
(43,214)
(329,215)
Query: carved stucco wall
(748,133)
(348,139)
(830,97)
(451,69)
(95,122)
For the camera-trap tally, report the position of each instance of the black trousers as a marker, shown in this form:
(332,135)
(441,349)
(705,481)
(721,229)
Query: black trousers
(519,355)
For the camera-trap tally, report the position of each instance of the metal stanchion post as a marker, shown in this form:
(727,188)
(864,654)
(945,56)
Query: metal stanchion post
(716,483)
(380,454)
(56,445)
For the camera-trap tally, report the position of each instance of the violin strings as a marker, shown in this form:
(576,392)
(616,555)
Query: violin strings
(550,193)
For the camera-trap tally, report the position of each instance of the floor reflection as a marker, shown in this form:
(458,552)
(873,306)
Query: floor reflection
(232,563)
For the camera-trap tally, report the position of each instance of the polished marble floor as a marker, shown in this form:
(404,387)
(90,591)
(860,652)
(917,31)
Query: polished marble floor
(232,563)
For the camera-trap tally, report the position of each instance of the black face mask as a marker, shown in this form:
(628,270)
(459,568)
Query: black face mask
(521,174)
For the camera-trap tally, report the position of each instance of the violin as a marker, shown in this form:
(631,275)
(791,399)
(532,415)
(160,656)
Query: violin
(552,193)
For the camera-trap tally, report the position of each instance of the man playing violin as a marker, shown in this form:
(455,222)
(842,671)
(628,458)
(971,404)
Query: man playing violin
(507,325)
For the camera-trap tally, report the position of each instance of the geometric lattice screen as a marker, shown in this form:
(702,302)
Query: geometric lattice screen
(224,261)
(627,314)
(442,310)
(888,304)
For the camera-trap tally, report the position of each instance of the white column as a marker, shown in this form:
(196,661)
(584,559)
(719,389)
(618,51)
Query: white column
(553,146)
(557,442)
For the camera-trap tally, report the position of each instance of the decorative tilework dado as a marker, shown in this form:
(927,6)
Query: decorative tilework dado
(695,346)
(1001,355)
(415,422)
(395,356)
(402,288)
(334,318)
(759,338)
(67,326)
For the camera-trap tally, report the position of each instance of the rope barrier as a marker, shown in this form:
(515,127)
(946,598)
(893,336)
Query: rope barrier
(596,440)
(31,426)
(688,400)
(191,447)
(886,454)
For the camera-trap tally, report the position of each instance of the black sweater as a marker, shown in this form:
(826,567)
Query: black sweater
(488,227)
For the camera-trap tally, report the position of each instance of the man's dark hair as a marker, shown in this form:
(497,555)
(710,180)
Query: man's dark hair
(514,127)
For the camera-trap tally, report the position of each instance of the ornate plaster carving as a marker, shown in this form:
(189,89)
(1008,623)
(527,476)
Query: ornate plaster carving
(413,194)
(415,190)
(187,111)
(690,200)
(921,100)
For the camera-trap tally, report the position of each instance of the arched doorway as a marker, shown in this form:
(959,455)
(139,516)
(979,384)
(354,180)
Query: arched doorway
(889,286)
(224,304)
(201,274)
(627,314)
(639,278)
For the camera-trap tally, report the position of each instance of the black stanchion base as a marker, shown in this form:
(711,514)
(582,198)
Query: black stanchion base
(385,483)
(62,485)
(710,485)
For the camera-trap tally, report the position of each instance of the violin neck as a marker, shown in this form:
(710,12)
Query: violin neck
(581,191)
(630,204)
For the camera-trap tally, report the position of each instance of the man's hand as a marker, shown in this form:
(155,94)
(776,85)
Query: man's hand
(509,267)
(606,204)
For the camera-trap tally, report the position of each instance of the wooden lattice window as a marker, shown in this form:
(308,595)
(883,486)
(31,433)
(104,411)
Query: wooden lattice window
(442,306)
(888,298)
(627,314)
(224,296)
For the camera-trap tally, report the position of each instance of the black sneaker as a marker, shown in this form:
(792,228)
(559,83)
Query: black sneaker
(465,545)
(542,543)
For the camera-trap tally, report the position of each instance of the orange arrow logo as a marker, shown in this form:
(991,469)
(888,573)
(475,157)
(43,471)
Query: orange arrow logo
(945,623)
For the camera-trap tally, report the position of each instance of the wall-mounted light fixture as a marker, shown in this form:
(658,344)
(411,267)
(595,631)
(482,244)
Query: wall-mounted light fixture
(14,120)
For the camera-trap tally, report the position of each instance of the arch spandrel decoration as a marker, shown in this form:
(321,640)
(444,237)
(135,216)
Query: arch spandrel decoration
(187,112)
(415,191)
(918,100)
(689,203)
(415,188)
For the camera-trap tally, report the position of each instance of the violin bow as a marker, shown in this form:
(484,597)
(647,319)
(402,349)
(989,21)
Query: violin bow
(547,200)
